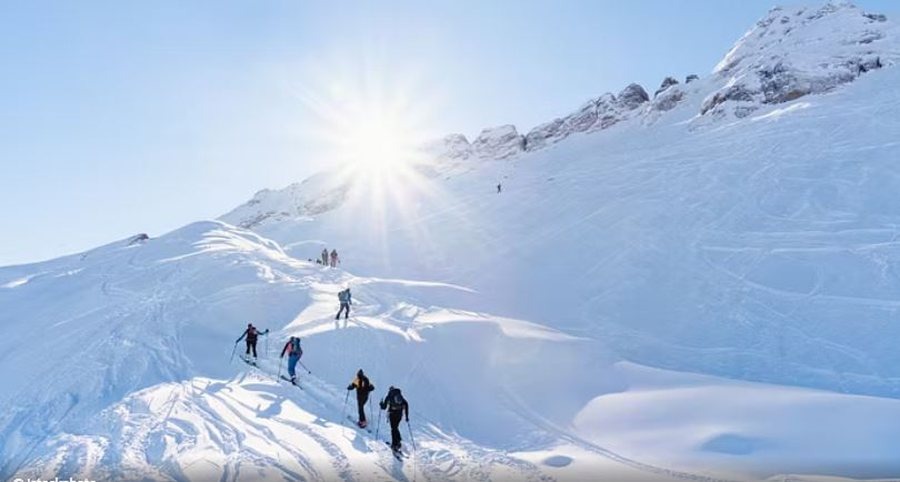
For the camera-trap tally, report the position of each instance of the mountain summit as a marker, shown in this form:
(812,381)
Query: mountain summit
(792,53)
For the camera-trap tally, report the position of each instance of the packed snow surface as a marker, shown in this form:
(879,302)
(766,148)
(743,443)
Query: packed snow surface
(699,285)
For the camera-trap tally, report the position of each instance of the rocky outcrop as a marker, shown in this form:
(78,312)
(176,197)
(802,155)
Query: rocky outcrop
(666,83)
(791,54)
(632,97)
(454,147)
(498,142)
(737,93)
(544,134)
(140,238)
(596,114)
(590,113)
(667,99)
(785,56)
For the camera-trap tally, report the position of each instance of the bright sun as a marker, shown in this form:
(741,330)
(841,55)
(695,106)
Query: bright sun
(370,125)
(367,122)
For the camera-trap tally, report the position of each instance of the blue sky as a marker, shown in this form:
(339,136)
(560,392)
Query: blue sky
(127,117)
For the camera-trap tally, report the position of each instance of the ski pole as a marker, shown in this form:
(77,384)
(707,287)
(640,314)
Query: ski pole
(304,367)
(411,438)
(232,352)
(279,367)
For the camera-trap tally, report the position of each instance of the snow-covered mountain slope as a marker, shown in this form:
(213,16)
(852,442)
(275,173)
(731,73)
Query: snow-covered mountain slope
(134,381)
(757,247)
(611,313)
(132,377)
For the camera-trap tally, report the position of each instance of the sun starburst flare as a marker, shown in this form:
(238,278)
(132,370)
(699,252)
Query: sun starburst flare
(372,128)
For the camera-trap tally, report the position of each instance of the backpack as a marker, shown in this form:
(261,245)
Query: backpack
(395,401)
(295,347)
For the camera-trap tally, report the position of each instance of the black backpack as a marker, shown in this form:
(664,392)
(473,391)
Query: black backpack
(395,400)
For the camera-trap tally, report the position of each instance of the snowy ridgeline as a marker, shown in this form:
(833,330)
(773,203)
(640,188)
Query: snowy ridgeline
(789,54)
(699,285)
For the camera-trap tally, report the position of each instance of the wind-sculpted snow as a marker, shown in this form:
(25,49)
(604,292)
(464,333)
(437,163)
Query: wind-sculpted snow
(116,366)
(253,428)
(88,329)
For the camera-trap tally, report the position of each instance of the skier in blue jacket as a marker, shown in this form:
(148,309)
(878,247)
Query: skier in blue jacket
(294,352)
(345,299)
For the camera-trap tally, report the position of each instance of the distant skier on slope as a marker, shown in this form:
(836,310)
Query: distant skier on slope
(363,387)
(325,256)
(251,333)
(334,258)
(396,406)
(294,351)
(345,300)
(499,187)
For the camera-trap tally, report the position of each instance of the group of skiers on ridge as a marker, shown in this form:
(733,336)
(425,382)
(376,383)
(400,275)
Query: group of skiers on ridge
(328,259)
(394,402)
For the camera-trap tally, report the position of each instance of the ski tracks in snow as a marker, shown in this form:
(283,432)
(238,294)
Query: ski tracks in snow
(570,437)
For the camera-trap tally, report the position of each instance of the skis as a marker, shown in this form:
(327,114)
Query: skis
(398,454)
(292,383)
(249,361)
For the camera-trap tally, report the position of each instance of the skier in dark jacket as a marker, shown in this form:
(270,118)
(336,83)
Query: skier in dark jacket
(363,387)
(345,299)
(325,256)
(251,333)
(396,407)
(294,352)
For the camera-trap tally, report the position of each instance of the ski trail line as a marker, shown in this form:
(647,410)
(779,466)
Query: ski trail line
(545,424)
